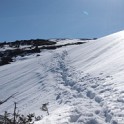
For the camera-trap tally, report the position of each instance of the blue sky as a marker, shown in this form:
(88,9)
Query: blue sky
(31,19)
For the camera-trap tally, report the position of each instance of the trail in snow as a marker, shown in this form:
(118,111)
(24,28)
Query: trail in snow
(77,90)
(74,96)
(83,84)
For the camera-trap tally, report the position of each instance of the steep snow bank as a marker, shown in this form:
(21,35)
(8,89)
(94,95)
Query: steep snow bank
(105,54)
(83,84)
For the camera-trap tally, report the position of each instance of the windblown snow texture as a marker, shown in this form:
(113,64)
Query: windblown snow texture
(84,84)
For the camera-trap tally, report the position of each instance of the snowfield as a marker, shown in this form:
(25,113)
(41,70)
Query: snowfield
(84,84)
(69,41)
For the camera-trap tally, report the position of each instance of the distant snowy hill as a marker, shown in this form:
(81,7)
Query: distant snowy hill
(84,84)
(70,41)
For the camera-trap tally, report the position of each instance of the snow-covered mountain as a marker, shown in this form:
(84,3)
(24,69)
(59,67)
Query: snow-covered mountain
(84,84)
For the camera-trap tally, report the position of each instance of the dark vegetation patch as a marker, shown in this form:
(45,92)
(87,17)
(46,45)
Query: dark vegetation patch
(30,46)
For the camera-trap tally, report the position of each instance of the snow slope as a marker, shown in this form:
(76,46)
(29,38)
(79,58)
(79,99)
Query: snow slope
(83,83)
(69,41)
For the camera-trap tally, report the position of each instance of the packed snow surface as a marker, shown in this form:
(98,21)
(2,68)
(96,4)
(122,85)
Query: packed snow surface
(84,84)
